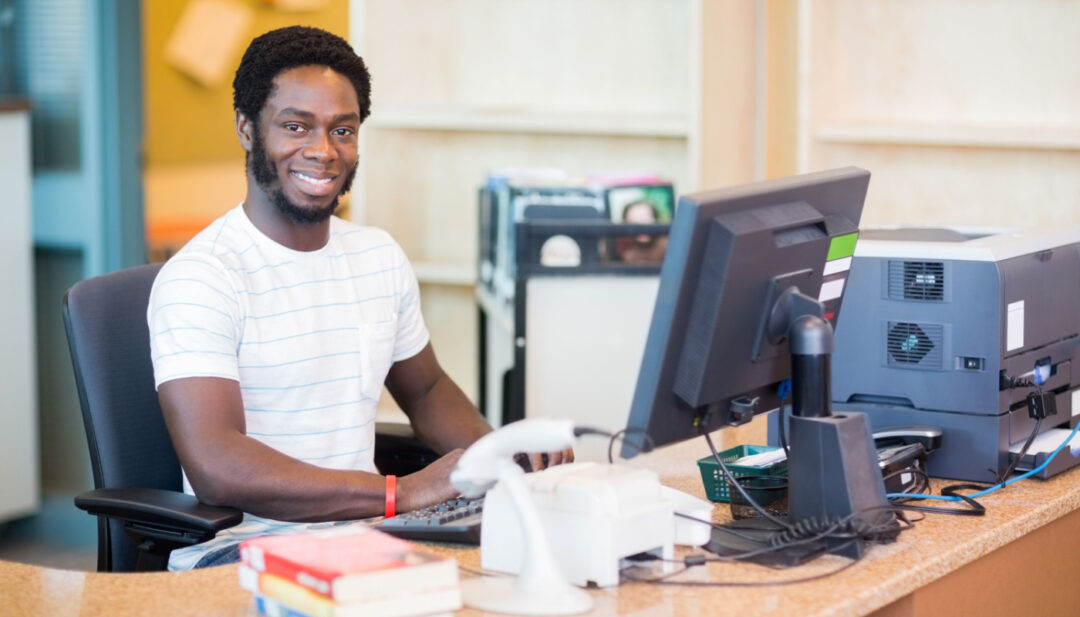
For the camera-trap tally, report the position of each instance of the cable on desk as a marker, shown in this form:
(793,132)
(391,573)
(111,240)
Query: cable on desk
(806,533)
(734,482)
(782,430)
(695,560)
(613,438)
(482,572)
(851,527)
(1023,476)
(783,391)
(664,580)
(581,431)
(974,508)
(1023,451)
(650,445)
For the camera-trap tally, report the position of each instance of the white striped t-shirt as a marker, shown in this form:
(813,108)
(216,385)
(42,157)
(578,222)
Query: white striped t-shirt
(309,336)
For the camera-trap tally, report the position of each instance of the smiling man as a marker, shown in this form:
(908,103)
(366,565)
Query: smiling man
(275,329)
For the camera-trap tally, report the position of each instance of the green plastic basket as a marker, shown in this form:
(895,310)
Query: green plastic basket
(716,487)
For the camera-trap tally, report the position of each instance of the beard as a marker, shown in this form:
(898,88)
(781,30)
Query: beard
(259,166)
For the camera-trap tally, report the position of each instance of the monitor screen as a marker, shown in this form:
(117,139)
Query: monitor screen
(641,203)
(709,358)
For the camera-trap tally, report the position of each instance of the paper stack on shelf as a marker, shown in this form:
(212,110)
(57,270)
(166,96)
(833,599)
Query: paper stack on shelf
(512,195)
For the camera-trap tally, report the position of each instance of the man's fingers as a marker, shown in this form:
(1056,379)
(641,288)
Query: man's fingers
(536,460)
(556,458)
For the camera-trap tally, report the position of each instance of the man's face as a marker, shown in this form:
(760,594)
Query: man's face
(304,146)
(641,213)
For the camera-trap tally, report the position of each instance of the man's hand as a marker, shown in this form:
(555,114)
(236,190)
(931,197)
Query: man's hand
(430,485)
(536,461)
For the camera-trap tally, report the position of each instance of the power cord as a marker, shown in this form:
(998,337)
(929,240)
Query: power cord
(734,482)
(974,508)
(850,529)
(650,445)
(783,391)
(1005,382)
(691,561)
(1027,444)
(853,526)
(985,492)
(665,579)
(949,493)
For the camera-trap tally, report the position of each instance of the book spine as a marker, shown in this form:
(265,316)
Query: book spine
(272,608)
(283,598)
(301,599)
(278,597)
(319,581)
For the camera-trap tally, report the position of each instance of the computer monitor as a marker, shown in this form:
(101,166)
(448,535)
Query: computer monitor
(707,357)
(746,268)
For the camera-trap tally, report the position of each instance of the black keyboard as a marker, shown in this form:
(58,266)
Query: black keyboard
(454,520)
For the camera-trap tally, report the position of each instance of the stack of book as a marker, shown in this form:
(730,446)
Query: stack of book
(343,572)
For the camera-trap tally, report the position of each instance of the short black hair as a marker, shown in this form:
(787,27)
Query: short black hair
(285,48)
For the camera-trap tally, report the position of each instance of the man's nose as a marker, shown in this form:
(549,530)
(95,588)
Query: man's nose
(319,147)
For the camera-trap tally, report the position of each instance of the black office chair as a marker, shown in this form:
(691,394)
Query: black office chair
(142,512)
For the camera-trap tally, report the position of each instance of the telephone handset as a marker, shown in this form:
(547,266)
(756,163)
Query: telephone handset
(928,436)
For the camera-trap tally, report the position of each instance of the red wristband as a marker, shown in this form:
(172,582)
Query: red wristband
(391,495)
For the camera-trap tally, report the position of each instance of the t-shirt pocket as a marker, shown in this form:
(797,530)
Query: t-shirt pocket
(376,355)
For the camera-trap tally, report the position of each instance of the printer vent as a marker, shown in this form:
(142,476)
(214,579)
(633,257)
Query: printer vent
(913,345)
(917,280)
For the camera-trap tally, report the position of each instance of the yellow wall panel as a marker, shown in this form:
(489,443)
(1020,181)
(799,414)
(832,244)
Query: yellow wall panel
(185,121)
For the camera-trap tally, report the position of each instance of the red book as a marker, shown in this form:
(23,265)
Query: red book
(348,564)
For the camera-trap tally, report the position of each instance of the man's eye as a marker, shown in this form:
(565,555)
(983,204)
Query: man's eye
(344,132)
(292,126)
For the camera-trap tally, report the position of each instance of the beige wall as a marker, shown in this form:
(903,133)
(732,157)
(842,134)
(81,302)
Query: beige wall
(964,112)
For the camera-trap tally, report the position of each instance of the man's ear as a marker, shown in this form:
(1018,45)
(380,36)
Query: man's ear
(245,131)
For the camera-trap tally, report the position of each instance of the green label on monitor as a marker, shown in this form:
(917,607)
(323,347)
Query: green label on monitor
(842,246)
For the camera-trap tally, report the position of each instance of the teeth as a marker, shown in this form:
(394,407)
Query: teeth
(311,179)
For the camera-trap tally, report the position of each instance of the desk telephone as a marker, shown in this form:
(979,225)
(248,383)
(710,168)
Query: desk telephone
(904,447)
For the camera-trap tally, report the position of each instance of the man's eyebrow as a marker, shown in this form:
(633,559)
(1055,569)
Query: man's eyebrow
(349,117)
(307,115)
(292,111)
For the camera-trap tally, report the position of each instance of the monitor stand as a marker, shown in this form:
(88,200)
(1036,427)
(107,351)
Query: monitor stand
(833,471)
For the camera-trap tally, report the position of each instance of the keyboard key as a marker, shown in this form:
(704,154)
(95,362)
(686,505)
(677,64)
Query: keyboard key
(455,520)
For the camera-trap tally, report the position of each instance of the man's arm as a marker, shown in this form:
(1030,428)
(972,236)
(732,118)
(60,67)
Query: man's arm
(440,413)
(205,418)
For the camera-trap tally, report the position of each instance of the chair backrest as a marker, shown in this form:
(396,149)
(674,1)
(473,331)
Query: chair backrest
(105,318)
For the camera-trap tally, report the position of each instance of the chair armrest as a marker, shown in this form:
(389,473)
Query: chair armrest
(398,451)
(154,509)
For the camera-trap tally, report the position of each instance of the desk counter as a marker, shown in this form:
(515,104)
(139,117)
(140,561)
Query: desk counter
(1018,559)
